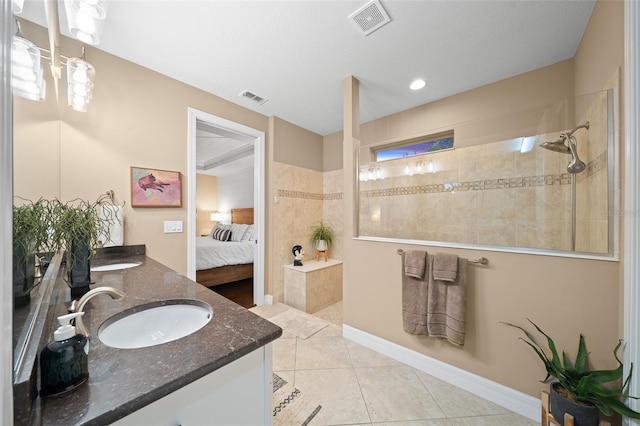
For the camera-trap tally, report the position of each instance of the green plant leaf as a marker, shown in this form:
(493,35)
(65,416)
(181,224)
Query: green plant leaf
(581,358)
(582,384)
(619,407)
(552,347)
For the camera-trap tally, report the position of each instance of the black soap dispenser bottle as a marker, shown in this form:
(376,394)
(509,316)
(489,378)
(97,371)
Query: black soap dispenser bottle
(64,361)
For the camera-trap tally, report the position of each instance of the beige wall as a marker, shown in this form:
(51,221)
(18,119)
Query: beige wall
(137,117)
(295,195)
(332,152)
(297,207)
(601,50)
(206,202)
(36,138)
(564,296)
(469,112)
(297,146)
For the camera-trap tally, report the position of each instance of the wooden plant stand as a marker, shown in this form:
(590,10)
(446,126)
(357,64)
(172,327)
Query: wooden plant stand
(325,252)
(548,419)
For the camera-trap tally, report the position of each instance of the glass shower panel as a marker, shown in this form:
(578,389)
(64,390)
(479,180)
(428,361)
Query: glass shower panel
(497,187)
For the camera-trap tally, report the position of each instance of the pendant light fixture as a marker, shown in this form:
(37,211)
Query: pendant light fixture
(26,71)
(85,19)
(80,75)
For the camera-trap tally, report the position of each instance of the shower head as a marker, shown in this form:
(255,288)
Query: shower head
(557,145)
(566,144)
(575,165)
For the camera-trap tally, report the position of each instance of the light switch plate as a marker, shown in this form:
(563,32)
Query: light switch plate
(172,226)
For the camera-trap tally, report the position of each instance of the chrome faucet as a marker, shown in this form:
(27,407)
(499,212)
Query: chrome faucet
(78,305)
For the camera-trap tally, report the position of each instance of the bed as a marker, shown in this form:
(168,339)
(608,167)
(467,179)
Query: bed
(221,262)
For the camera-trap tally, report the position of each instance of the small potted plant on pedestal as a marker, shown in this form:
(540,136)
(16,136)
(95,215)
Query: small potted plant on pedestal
(578,390)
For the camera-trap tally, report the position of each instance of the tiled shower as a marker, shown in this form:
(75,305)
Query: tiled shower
(507,193)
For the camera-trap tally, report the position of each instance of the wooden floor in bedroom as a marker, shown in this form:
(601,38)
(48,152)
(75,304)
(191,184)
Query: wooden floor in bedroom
(240,292)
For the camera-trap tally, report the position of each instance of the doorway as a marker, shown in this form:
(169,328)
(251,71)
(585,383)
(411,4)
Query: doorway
(234,131)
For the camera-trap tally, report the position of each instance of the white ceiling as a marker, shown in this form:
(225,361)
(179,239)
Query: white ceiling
(221,153)
(296,54)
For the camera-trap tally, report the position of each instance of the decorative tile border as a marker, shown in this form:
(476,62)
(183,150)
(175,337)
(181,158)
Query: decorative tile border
(599,164)
(309,195)
(479,185)
(333,196)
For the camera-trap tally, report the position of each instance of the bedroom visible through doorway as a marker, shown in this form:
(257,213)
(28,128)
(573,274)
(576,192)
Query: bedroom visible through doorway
(226,208)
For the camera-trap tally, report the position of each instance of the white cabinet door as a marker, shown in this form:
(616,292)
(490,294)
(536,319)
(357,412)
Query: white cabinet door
(237,394)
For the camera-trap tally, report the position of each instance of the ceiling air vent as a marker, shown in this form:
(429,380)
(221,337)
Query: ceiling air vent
(253,97)
(370,17)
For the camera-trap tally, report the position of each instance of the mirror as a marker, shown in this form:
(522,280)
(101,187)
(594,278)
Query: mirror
(36,174)
(39,126)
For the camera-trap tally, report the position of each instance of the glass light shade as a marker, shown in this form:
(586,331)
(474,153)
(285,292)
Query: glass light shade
(80,75)
(33,87)
(17,6)
(26,71)
(24,53)
(85,19)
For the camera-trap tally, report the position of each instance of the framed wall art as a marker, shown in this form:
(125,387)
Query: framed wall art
(155,188)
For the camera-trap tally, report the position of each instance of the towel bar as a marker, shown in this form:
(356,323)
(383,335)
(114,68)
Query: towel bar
(481,261)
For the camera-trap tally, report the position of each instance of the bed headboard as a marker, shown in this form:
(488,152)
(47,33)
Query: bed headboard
(242,216)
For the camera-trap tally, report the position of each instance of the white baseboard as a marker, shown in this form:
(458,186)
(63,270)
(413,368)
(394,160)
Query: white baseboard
(504,396)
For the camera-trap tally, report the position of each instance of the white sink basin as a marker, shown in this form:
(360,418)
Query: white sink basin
(115,266)
(154,323)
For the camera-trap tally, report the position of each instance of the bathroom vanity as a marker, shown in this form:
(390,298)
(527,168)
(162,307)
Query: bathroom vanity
(219,374)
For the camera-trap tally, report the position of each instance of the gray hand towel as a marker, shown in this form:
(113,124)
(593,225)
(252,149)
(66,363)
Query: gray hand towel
(414,302)
(415,263)
(445,267)
(447,305)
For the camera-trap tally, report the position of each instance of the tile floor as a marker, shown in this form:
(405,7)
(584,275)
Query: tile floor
(358,386)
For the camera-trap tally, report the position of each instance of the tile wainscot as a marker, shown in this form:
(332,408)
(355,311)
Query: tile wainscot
(314,285)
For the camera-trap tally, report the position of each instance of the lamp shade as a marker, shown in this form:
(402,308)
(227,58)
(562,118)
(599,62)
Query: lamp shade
(222,217)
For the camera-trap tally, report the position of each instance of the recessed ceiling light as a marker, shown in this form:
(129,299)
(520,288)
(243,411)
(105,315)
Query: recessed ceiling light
(417,84)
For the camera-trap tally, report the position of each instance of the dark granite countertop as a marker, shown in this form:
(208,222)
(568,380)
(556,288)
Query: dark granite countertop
(122,381)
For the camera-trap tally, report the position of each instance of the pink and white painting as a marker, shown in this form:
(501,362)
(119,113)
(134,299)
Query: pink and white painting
(155,188)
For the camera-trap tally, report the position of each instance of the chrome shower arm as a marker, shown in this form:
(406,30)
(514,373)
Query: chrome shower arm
(581,126)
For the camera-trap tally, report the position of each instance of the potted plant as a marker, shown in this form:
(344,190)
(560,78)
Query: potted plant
(77,225)
(322,236)
(579,391)
(31,225)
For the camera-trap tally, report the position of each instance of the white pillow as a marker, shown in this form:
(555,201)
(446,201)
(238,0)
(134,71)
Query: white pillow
(237,231)
(218,225)
(248,235)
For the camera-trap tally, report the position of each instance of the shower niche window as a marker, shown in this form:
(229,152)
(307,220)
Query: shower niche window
(540,180)
(413,148)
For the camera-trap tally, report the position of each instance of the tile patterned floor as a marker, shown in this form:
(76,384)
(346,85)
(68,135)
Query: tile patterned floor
(358,386)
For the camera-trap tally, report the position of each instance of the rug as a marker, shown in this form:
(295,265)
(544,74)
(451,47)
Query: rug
(290,406)
(298,323)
